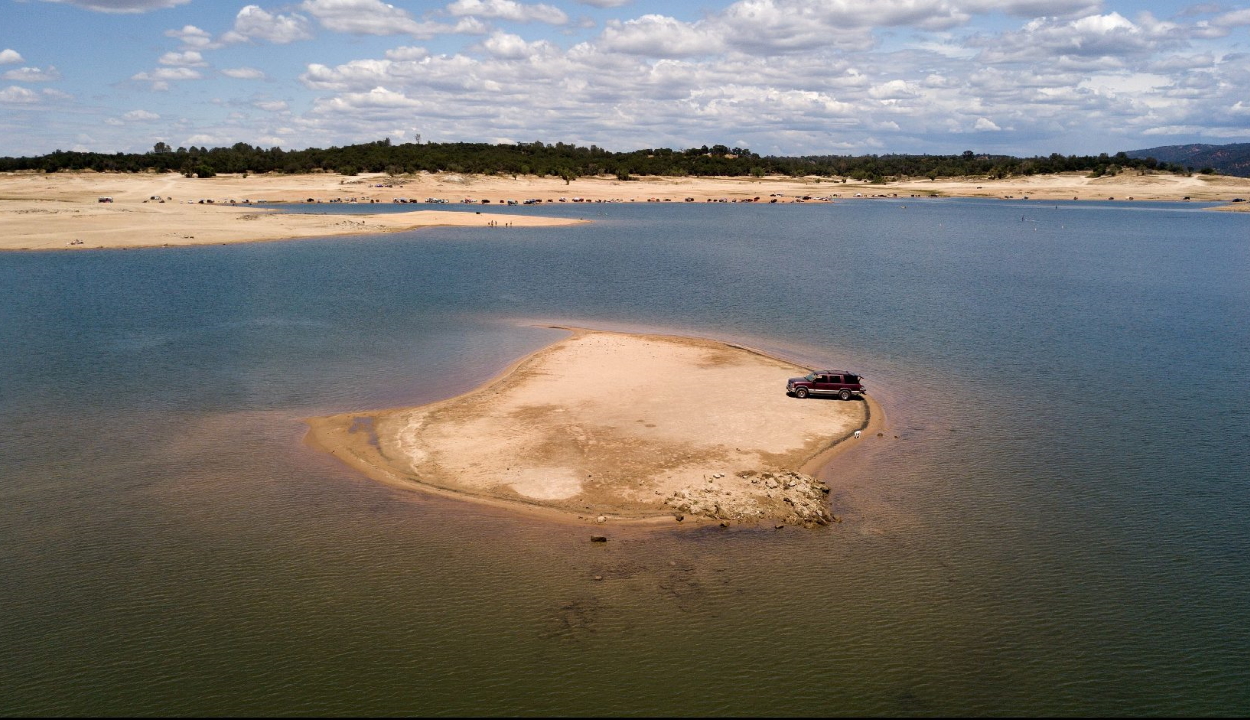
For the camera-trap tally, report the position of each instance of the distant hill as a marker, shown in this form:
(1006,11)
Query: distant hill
(1226,159)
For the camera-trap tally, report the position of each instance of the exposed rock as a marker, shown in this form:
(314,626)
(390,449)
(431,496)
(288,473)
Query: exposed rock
(755,497)
(598,538)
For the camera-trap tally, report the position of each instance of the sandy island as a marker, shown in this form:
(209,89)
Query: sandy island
(61,210)
(608,427)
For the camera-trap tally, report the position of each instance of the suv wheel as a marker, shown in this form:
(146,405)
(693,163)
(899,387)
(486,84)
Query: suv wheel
(800,392)
(845,394)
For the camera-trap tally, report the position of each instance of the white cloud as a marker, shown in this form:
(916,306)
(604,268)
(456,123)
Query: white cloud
(769,27)
(254,23)
(363,17)
(193,37)
(894,90)
(658,36)
(141,116)
(785,76)
(833,15)
(1235,18)
(509,10)
(57,94)
(205,140)
(33,74)
(656,79)
(507,45)
(18,95)
(190,58)
(1110,37)
(168,74)
(123,6)
(379,98)
(371,17)
(348,76)
(161,77)
(407,53)
(244,73)
(1033,8)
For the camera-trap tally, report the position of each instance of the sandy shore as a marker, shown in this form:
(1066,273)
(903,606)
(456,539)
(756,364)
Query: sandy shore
(620,427)
(62,210)
(1076,186)
(59,211)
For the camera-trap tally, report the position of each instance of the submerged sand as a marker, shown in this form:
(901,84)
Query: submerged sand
(617,426)
(60,211)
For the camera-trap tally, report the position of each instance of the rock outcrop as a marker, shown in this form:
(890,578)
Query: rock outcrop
(791,497)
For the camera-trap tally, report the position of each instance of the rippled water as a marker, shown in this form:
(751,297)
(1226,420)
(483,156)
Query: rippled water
(1059,526)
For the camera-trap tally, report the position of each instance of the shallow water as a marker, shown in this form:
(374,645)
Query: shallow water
(1057,528)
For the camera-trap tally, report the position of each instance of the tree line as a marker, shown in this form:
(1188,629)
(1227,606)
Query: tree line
(572,161)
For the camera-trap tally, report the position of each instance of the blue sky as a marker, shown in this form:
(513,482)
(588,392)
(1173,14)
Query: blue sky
(786,77)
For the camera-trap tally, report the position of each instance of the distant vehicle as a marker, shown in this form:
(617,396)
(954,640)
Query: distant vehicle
(836,383)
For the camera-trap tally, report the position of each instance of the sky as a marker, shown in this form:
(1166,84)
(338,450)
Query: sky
(781,77)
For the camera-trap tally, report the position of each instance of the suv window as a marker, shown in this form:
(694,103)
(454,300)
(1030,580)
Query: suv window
(852,379)
(835,378)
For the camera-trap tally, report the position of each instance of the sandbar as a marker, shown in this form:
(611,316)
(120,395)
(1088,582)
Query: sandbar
(612,427)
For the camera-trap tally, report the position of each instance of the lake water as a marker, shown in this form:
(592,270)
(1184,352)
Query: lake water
(1059,527)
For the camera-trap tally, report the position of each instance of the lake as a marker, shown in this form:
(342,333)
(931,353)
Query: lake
(1055,522)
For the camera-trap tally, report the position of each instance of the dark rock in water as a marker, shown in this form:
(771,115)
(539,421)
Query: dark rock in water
(680,518)
(598,538)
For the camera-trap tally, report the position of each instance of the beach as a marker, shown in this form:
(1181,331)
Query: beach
(605,427)
(63,210)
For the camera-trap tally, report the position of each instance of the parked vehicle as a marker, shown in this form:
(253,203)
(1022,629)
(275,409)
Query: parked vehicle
(834,383)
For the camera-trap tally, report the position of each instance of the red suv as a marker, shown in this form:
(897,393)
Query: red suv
(826,382)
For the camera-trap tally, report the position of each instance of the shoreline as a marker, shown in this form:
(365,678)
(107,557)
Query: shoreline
(63,211)
(377,456)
